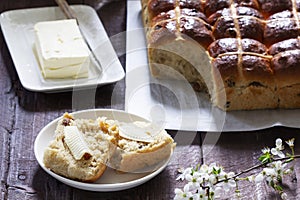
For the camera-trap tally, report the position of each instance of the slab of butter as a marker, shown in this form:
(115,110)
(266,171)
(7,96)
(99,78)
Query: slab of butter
(139,131)
(61,49)
(76,143)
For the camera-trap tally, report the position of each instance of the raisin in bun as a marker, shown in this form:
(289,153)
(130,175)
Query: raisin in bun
(85,162)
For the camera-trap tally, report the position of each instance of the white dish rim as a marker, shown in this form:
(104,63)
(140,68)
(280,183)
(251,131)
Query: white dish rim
(36,85)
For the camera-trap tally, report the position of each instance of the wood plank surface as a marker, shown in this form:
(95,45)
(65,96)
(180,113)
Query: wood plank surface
(7,118)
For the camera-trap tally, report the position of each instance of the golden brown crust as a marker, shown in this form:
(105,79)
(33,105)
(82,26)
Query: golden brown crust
(58,157)
(102,169)
(285,45)
(107,147)
(241,11)
(213,6)
(269,7)
(225,45)
(134,156)
(279,30)
(252,45)
(287,68)
(137,161)
(168,25)
(249,27)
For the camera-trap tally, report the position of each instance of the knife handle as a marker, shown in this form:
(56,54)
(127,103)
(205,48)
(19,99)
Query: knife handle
(70,14)
(66,8)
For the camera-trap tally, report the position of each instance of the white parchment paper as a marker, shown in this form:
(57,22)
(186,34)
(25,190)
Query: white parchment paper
(174,104)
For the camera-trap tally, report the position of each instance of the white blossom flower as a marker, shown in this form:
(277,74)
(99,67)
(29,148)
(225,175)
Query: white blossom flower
(184,194)
(193,182)
(266,150)
(227,185)
(259,178)
(284,196)
(202,194)
(251,178)
(184,173)
(278,143)
(212,179)
(279,167)
(275,152)
(204,168)
(204,177)
(195,197)
(269,171)
(290,142)
(278,149)
(222,175)
(228,182)
(218,192)
(212,167)
(189,177)
(288,171)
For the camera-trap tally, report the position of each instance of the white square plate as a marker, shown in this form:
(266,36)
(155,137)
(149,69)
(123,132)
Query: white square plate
(17,27)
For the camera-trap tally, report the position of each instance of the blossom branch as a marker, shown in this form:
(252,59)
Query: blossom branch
(257,167)
(210,181)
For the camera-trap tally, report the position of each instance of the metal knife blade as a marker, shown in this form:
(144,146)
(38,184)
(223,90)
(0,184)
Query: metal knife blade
(70,14)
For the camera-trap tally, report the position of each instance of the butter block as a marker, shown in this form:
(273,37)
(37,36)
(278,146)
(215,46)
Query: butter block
(61,49)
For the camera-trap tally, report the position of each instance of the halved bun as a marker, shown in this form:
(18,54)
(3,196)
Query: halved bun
(101,144)
(60,160)
(134,155)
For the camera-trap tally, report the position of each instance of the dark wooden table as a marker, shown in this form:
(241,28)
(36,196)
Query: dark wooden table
(23,114)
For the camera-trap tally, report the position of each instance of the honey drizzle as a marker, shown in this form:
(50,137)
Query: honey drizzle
(234,15)
(177,18)
(178,21)
(245,53)
(264,21)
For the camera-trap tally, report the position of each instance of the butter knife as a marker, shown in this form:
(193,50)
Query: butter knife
(70,14)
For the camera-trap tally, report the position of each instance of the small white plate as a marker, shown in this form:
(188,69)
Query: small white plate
(17,27)
(110,180)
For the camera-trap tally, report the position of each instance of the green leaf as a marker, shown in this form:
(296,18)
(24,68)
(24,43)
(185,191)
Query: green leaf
(219,170)
(279,179)
(272,184)
(197,167)
(278,188)
(265,158)
(215,171)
